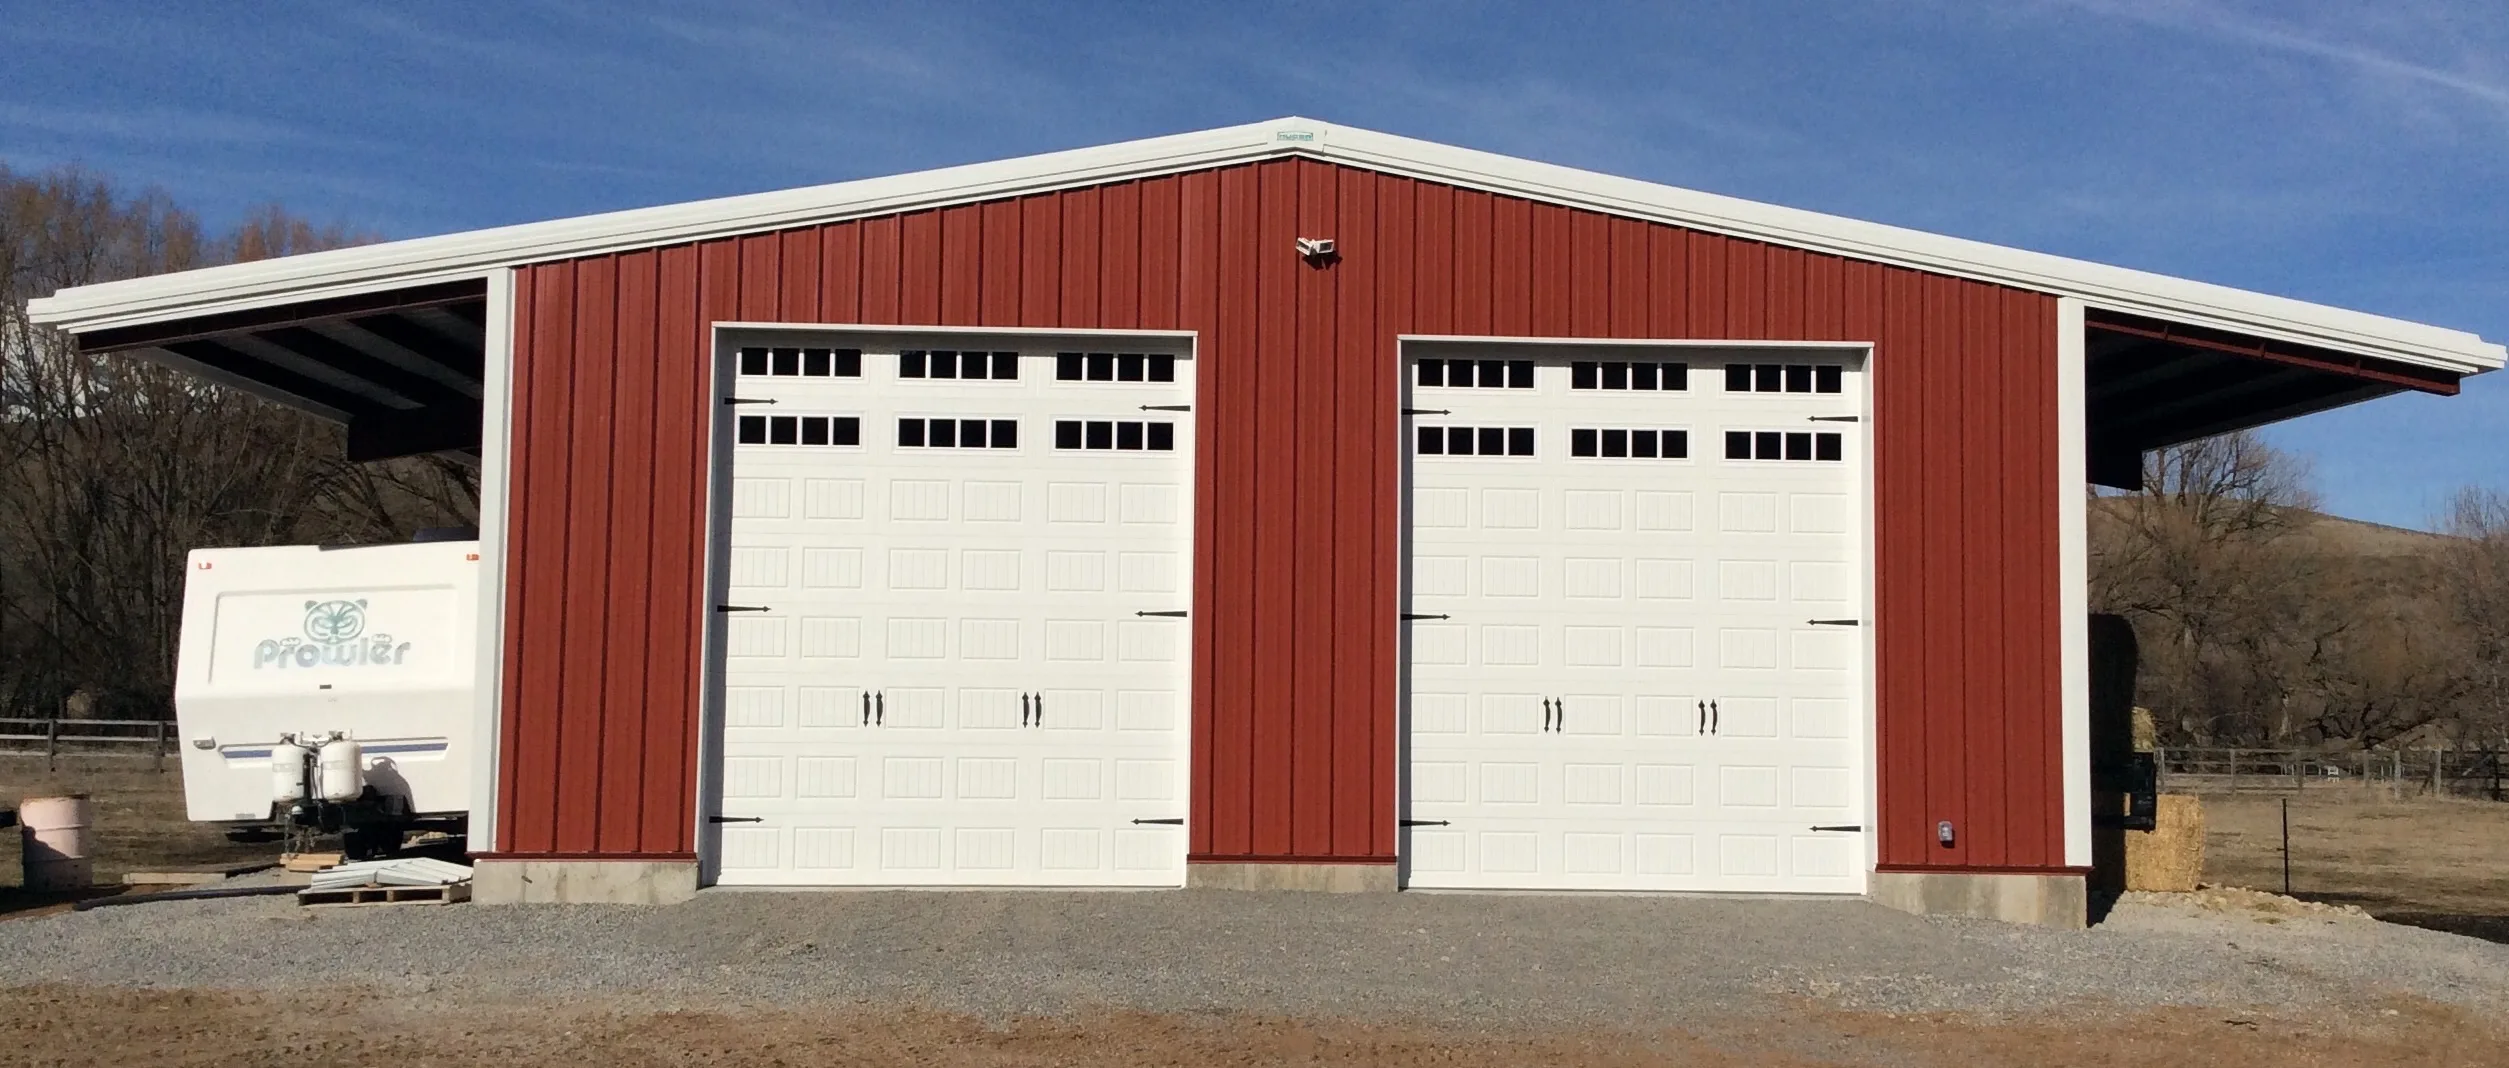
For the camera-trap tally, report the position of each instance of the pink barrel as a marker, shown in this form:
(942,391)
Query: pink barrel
(54,832)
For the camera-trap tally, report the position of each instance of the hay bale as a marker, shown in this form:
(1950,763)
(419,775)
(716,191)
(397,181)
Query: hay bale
(2147,734)
(2170,856)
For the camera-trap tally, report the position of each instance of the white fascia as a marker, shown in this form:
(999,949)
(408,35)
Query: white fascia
(466,255)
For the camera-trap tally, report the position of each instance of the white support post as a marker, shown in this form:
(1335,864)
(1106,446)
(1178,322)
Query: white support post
(2073,597)
(496,411)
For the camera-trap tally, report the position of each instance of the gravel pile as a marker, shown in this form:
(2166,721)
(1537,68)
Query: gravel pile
(1496,960)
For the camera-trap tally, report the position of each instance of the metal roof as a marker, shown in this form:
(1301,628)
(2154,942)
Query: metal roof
(469,255)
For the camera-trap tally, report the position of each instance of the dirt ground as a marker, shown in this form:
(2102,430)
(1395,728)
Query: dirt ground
(57,1026)
(2437,863)
(138,811)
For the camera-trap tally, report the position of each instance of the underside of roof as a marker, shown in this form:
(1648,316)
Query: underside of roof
(388,337)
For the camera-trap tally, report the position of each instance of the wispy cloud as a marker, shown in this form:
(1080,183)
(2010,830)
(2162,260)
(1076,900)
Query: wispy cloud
(2319,41)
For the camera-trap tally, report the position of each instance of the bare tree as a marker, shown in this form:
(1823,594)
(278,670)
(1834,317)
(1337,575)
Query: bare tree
(112,468)
(2477,602)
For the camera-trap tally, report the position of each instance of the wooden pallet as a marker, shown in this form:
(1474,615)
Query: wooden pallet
(353,896)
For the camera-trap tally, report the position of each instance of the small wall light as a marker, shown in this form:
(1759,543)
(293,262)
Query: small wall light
(1315,249)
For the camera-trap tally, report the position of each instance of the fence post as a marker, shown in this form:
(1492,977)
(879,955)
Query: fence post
(52,744)
(2292,758)
(2395,775)
(161,747)
(2160,769)
(2234,770)
(2439,759)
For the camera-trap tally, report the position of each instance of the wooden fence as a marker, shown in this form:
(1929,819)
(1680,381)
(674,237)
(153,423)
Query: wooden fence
(49,738)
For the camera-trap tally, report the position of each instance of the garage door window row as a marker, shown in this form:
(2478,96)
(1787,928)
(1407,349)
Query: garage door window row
(1783,445)
(1114,367)
(957,364)
(1476,441)
(1617,374)
(802,363)
(1115,435)
(1483,374)
(1633,444)
(1784,378)
(958,433)
(800,430)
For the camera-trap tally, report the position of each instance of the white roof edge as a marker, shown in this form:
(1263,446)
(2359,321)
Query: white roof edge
(462,255)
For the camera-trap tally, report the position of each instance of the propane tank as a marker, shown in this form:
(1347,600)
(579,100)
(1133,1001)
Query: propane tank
(287,770)
(342,769)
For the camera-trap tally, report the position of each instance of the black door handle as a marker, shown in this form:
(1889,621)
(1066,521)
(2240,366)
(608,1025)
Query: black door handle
(880,709)
(866,708)
(1023,710)
(1716,716)
(1546,715)
(1040,709)
(1559,715)
(1703,717)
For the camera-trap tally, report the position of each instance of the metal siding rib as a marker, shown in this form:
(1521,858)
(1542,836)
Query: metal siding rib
(1588,280)
(1160,238)
(798,300)
(1233,417)
(584,659)
(1119,255)
(880,269)
(631,521)
(1476,274)
(958,248)
(840,274)
(1356,416)
(683,390)
(1197,302)
(1310,576)
(1631,273)
(1398,299)
(1080,258)
(1275,359)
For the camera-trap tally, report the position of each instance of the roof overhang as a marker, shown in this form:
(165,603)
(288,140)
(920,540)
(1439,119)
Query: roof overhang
(423,261)
(387,337)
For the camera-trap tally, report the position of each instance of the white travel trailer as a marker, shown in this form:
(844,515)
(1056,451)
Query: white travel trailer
(331,689)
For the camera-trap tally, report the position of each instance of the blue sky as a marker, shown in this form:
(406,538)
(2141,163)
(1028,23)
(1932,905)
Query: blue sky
(2349,153)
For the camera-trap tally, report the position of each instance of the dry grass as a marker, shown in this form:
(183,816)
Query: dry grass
(139,816)
(2432,862)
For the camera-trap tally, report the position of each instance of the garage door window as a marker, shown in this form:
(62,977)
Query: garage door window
(1483,374)
(957,364)
(1783,445)
(802,363)
(1476,441)
(1116,435)
(800,430)
(1114,367)
(1617,374)
(1641,444)
(1783,378)
(958,433)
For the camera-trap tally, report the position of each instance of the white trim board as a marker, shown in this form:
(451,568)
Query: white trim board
(429,259)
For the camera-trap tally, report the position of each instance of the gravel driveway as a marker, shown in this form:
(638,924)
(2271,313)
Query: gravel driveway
(1490,960)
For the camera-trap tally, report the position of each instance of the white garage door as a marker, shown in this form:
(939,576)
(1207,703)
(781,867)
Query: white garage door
(1640,666)
(954,647)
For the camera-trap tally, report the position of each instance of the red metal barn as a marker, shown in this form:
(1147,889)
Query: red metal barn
(1282,505)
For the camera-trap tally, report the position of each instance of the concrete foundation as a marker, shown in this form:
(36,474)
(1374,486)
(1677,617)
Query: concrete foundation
(582,882)
(2047,900)
(1323,878)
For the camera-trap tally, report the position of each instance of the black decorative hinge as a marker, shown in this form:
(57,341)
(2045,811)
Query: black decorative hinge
(1177,822)
(1409,616)
(1837,419)
(740,608)
(1167,407)
(1178,614)
(736,819)
(1835,622)
(1426,411)
(1858,827)
(748,400)
(1424,823)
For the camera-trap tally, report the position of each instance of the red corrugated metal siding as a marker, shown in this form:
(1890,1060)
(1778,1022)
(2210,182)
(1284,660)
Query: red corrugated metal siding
(1297,520)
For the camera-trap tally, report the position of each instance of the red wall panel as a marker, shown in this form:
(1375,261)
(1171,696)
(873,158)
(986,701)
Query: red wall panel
(1297,525)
